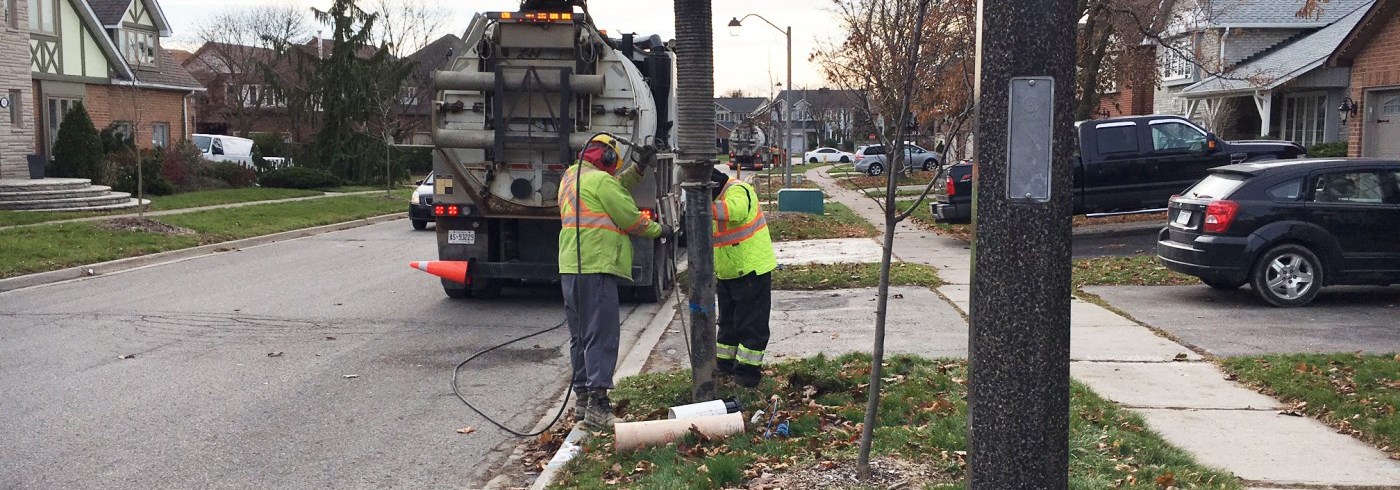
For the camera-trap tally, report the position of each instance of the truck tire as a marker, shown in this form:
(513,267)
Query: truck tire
(457,293)
(419,224)
(662,277)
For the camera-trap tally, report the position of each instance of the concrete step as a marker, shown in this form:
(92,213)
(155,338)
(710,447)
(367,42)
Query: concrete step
(90,191)
(34,185)
(129,204)
(109,199)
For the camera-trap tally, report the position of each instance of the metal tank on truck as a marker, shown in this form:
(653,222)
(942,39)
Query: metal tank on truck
(748,146)
(511,114)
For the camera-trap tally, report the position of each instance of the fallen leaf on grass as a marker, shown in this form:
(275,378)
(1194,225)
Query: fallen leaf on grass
(466,430)
(1165,480)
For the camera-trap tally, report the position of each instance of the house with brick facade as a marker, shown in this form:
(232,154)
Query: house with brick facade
(107,54)
(16,126)
(1371,50)
(1256,68)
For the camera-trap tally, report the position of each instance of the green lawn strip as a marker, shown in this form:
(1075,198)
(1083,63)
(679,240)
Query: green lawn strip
(15,218)
(810,277)
(879,181)
(1131,270)
(1355,393)
(355,188)
(250,221)
(923,421)
(768,188)
(198,199)
(838,222)
(48,247)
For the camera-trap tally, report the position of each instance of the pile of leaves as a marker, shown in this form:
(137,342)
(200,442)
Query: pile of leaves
(837,222)
(1355,393)
(921,440)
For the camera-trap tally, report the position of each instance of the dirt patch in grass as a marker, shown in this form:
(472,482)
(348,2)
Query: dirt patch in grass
(885,472)
(1131,270)
(143,224)
(1356,394)
(1082,220)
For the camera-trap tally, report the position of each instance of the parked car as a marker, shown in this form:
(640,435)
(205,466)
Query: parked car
(1136,163)
(828,155)
(420,204)
(1288,228)
(221,148)
(873,161)
(952,201)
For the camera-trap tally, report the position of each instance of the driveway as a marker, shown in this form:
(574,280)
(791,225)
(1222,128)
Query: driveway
(1234,323)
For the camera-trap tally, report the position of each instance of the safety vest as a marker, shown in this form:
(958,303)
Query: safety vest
(600,224)
(741,240)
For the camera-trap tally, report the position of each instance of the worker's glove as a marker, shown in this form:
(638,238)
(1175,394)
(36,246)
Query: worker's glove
(667,232)
(643,156)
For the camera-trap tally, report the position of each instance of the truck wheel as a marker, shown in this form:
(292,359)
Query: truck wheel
(457,293)
(1288,275)
(419,224)
(485,288)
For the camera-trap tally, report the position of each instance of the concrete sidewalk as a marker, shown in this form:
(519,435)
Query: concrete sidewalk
(1183,397)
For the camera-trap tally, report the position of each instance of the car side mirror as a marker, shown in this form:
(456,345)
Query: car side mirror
(1212,143)
(420,182)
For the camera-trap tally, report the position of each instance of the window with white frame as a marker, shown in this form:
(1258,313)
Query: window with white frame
(139,47)
(58,108)
(41,16)
(1305,118)
(1173,64)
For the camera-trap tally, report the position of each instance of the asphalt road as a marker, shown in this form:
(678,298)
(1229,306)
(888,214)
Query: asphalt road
(1144,242)
(202,404)
(1232,323)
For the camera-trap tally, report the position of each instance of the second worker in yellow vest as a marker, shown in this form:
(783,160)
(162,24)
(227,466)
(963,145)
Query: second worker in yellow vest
(744,262)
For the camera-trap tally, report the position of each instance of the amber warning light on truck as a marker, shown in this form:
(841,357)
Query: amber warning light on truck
(532,16)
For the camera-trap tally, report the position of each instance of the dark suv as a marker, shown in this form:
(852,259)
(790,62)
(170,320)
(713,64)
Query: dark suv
(1288,228)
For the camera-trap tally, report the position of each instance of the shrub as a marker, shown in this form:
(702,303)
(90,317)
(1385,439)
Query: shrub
(230,174)
(181,165)
(418,160)
(1328,150)
(123,168)
(77,149)
(299,178)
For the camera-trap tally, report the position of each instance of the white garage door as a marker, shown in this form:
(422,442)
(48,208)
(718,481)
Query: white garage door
(1383,125)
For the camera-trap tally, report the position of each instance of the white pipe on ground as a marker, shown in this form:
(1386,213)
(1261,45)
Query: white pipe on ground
(631,436)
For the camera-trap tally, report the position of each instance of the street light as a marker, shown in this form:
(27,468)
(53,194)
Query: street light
(734,25)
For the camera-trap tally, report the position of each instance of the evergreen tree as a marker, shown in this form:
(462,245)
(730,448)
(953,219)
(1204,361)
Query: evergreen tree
(77,149)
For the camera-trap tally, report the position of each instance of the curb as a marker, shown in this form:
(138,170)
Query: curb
(634,362)
(1126,229)
(131,263)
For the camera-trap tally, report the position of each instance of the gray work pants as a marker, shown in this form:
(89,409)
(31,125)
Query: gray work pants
(594,328)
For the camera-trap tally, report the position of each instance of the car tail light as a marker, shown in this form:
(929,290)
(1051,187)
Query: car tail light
(1219,216)
(648,213)
(952,186)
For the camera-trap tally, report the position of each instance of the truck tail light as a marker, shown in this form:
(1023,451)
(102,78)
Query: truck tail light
(952,187)
(648,213)
(1220,215)
(447,210)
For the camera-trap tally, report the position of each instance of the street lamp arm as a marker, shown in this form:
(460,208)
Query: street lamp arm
(760,17)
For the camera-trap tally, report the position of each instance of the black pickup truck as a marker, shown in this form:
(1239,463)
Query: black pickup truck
(1127,164)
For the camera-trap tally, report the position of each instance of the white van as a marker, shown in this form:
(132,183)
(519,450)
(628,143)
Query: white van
(220,148)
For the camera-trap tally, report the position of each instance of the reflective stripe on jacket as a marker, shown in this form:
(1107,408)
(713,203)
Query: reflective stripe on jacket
(600,226)
(741,240)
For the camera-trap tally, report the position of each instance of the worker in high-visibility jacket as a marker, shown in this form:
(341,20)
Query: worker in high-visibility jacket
(595,252)
(744,262)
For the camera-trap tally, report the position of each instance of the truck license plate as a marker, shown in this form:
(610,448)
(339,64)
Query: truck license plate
(461,237)
(1183,217)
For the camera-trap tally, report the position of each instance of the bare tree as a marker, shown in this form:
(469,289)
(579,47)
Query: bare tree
(405,28)
(238,45)
(881,53)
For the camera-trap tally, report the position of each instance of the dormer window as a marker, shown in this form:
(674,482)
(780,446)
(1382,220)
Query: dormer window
(139,47)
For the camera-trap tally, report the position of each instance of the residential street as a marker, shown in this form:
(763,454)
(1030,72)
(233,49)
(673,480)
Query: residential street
(203,402)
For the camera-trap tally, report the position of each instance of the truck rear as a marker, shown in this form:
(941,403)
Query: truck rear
(512,111)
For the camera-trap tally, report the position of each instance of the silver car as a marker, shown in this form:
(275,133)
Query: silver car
(872,159)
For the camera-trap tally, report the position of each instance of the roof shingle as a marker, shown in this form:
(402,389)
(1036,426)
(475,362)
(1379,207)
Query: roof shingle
(1283,13)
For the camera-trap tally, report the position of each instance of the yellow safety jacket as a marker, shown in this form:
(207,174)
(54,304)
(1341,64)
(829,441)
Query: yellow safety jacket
(606,215)
(741,240)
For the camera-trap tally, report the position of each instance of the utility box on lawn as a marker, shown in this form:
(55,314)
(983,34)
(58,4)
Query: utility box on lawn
(802,201)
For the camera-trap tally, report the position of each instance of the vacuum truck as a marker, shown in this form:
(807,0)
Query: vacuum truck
(512,111)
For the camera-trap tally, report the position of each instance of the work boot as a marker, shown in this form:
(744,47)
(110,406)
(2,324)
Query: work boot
(724,367)
(599,414)
(748,376)
(581,398)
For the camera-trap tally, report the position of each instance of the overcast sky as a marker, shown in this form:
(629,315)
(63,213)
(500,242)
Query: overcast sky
(747,62)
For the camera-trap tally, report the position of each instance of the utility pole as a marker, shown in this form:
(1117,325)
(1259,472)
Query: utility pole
(695,84)
(1018,392)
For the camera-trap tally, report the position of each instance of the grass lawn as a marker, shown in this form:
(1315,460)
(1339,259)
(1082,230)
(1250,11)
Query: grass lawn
(1355,393)
(49,247)
(924,217)
(1132,270)
(163,203)
(768,187)
(869,181)
(810,277)
(838,222)
(923,426)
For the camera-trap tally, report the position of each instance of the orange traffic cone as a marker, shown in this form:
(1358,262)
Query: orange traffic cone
(452,270)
